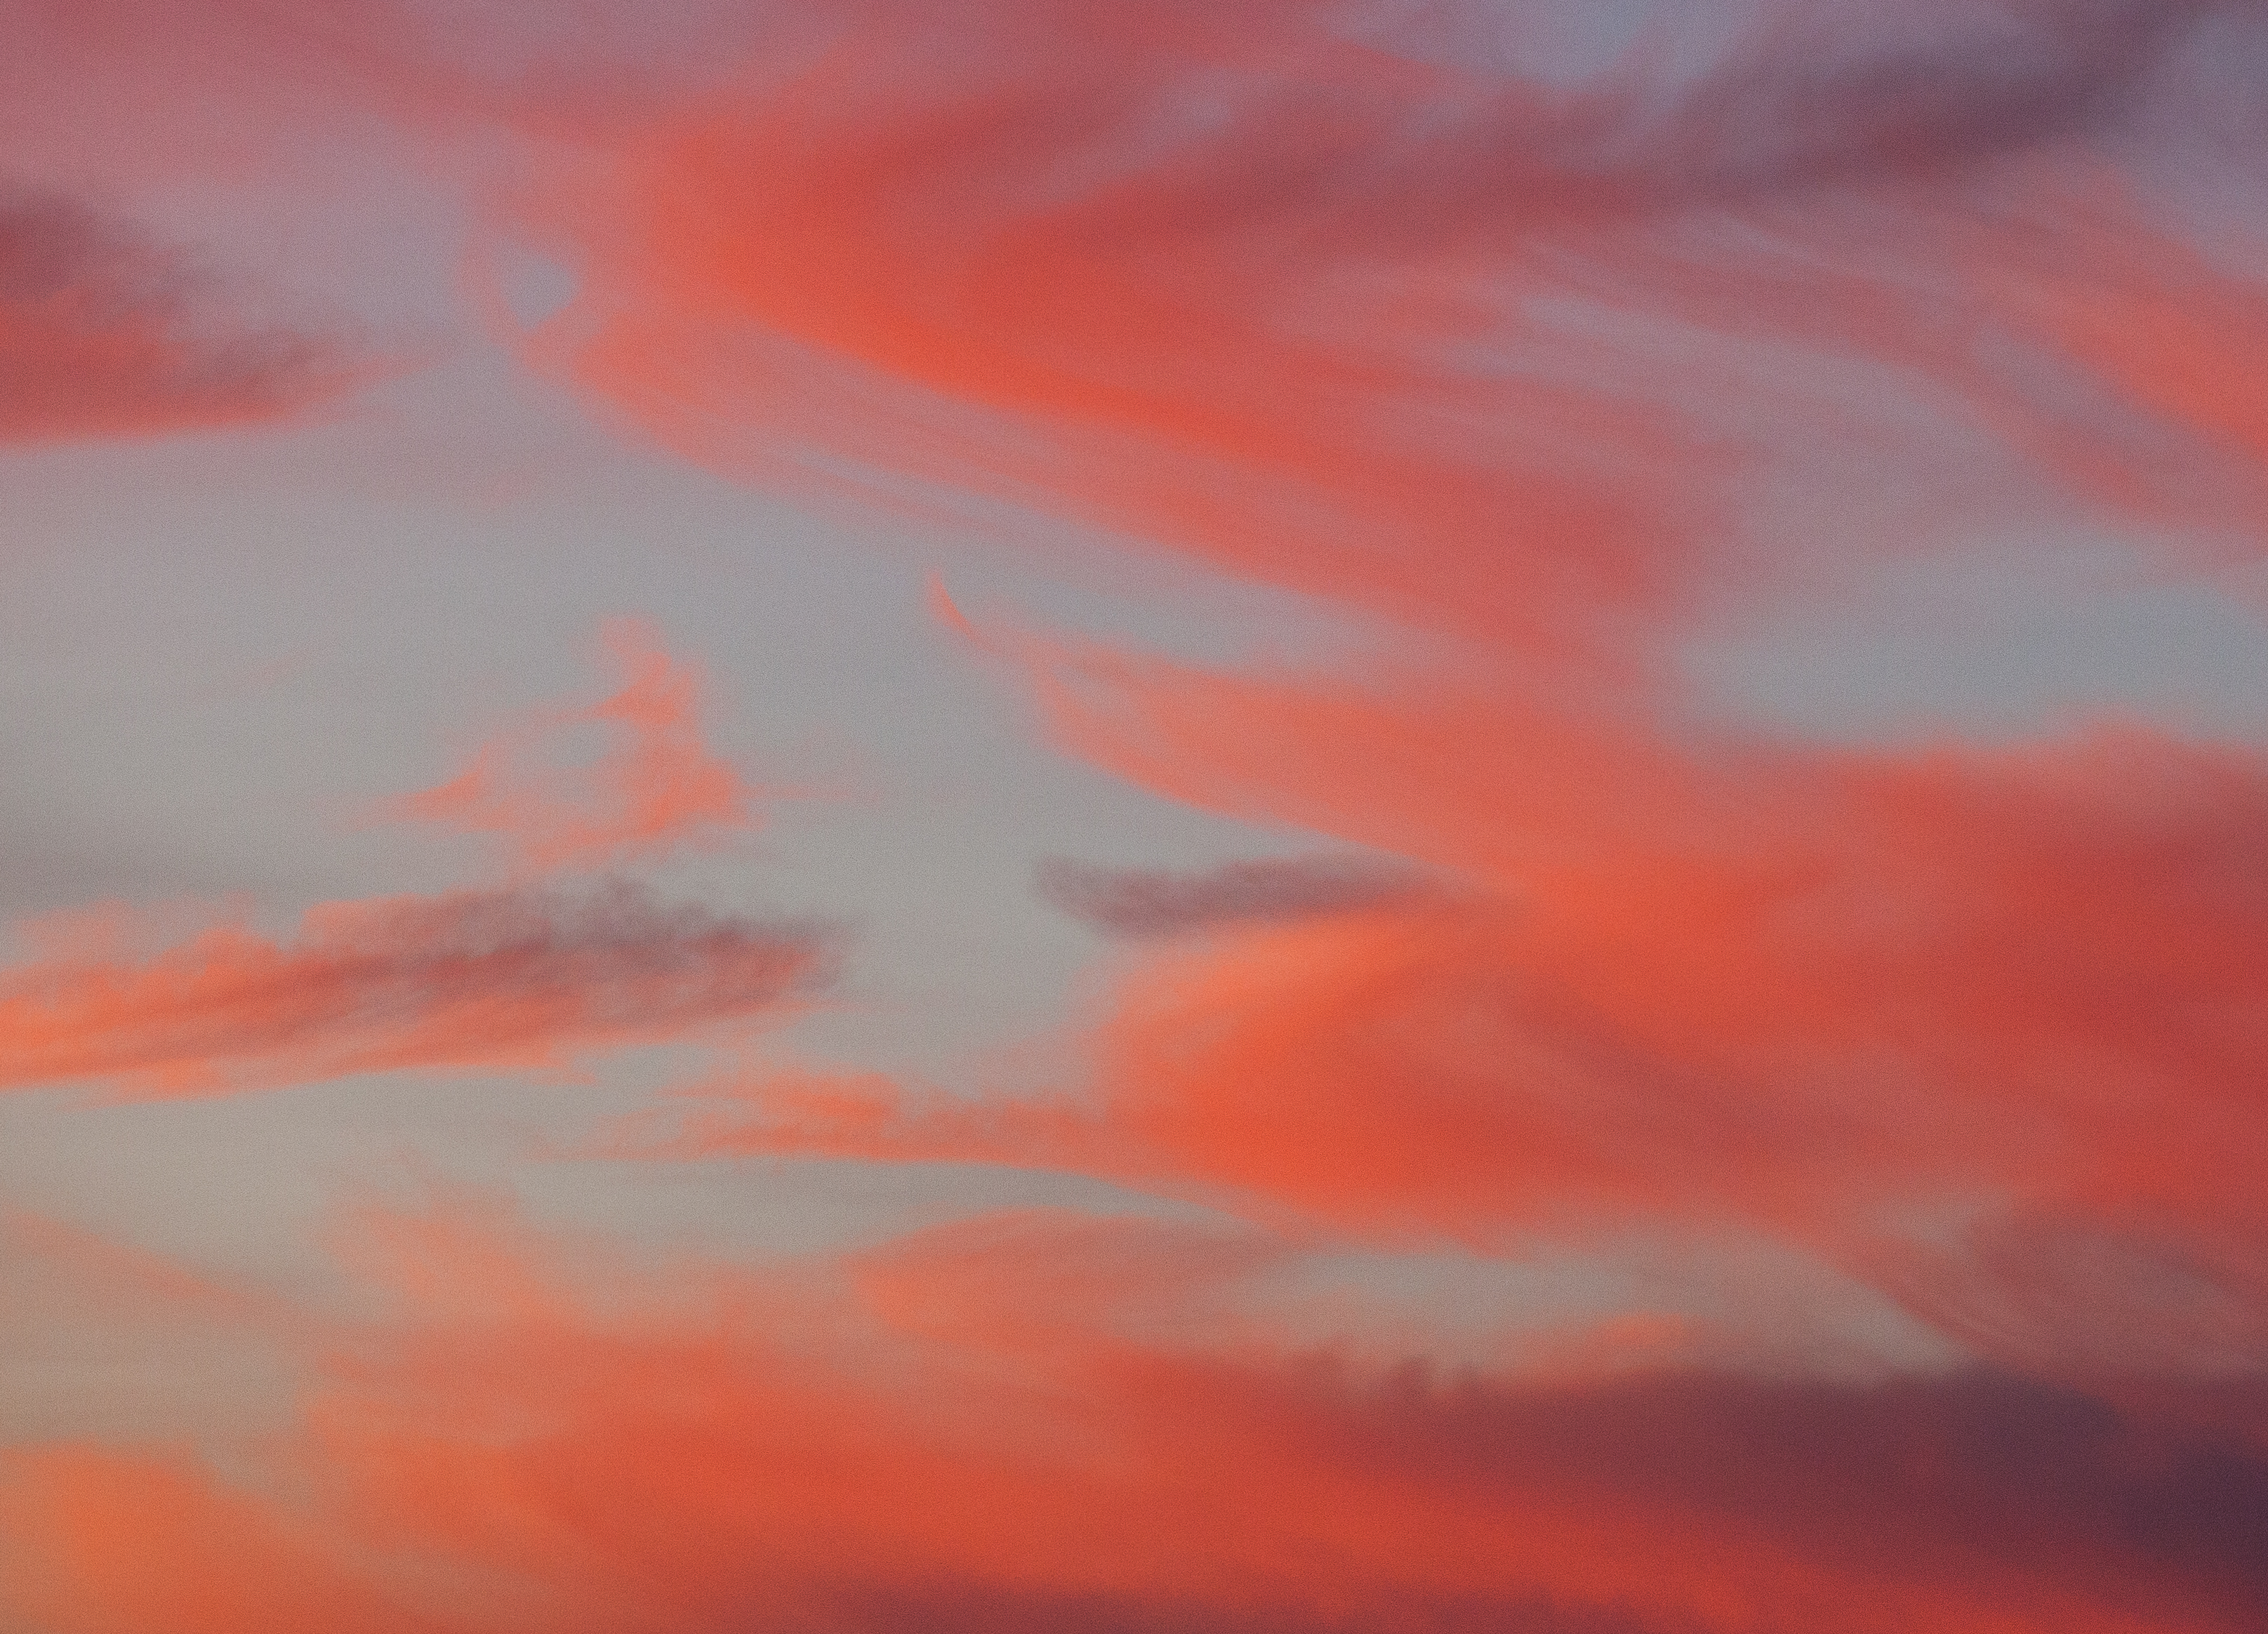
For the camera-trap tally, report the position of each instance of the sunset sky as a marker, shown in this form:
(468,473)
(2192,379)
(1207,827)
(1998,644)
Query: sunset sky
(1133,817)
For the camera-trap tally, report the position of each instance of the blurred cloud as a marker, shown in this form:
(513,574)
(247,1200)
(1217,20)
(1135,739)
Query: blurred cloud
(1826,993)
(525,978)
(1472,350)
(104,334)
(1528,376)
(541,1436)
(1138,903)
(656,786)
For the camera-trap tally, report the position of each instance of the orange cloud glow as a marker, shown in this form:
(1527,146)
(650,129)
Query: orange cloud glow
(1564,368)
(656,787)
(537,1438)
(1465,347)
(1702,1039)
(1821,993)
(99,1542)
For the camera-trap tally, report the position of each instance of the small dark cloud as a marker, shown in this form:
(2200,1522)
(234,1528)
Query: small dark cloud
(1143,902)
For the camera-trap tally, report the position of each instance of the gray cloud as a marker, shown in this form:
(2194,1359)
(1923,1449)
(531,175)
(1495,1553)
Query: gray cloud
(1139,902)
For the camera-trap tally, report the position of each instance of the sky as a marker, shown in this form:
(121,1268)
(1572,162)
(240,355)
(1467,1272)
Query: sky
(1320,817)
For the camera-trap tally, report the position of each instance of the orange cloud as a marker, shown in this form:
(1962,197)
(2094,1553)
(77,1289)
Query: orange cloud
(544,1437)
(1828,994)
(1412,330)
(1468,348)
(103,1542)
(496,979)
(656,787)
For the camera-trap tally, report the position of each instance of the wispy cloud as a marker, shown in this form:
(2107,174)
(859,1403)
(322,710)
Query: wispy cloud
(517,978)
(1530,376)
(1462,347)
(1828,995)
(103,333)
(543,973)
(540,1436)
(655,787)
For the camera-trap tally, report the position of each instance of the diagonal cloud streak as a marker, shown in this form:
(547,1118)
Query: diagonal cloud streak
(1473,350)
(520,978)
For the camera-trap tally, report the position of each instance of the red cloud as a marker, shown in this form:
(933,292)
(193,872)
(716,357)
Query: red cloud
(1465,347)
(657,786)
(1827,994)
(539,1439)
(498,979)
(1475,352)
(99,1542)
(102,336)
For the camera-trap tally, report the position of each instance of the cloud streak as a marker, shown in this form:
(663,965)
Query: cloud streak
(1471,349)
(1564,368)
(510,979)
(1823,995)
(1531,376)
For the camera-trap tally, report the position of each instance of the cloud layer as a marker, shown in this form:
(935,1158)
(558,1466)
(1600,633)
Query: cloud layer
(1469,348)
(540,1439)
(1526,371)
(1561,367)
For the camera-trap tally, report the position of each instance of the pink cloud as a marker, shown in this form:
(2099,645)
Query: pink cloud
(656,787)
